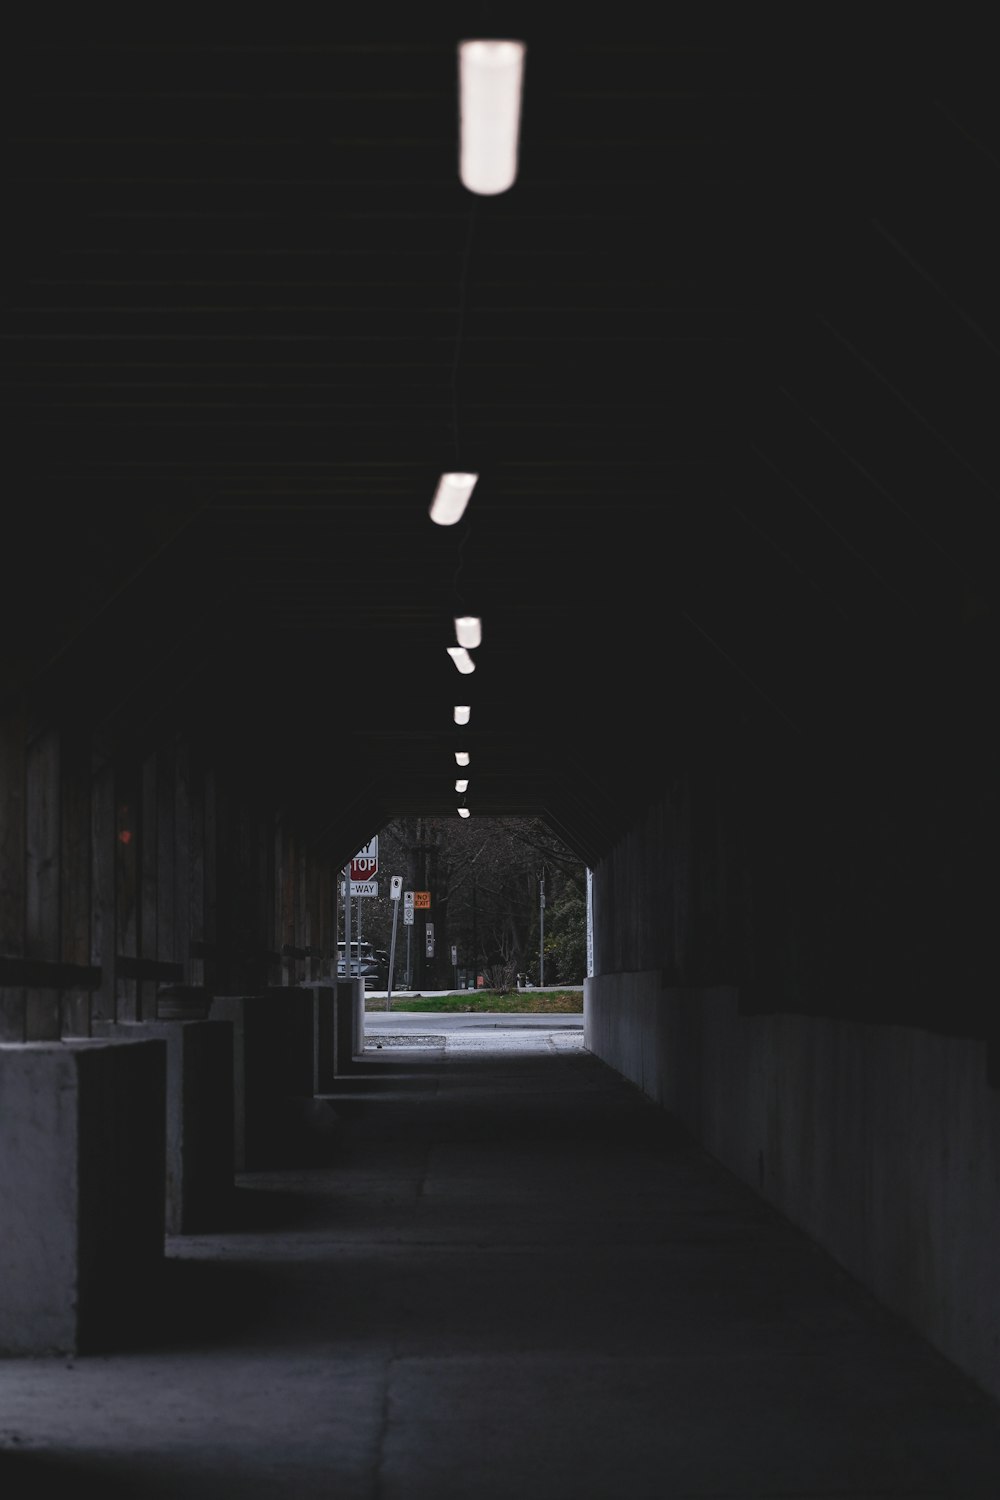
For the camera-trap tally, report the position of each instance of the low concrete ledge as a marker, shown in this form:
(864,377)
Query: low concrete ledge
(200,1156)
(82,1191)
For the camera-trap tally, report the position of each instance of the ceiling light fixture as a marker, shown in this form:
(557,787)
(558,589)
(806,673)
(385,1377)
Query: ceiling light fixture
(462,713)
(451,497)
(462,784)
(461,658)
(468,630)
(463,812)
(490,79)
(461,757)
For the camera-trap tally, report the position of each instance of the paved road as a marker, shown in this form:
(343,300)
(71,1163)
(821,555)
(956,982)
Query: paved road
(440,1023)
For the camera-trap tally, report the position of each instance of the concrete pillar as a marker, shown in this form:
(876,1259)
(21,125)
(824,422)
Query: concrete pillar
(272,1071)
(82,1191)
(324,1049)
(200,1158)
(349,1026)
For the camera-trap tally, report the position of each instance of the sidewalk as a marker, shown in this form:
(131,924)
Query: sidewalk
(503,1275)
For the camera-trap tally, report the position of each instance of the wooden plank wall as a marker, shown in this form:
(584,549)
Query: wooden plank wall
(13,843)
(75,871)
(122,869)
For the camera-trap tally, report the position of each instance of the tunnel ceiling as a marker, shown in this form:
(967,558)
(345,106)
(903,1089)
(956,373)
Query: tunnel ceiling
(725,359)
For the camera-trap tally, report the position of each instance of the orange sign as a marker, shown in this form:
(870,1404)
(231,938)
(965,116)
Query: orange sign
(422,898)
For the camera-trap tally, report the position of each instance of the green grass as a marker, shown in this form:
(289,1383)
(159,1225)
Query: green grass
(517,1002)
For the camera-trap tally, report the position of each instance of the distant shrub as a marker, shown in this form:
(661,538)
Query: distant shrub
(501,977)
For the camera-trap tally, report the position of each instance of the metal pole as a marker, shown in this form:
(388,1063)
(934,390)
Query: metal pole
(409,980)
(392,954)
(541,928)
(347,922)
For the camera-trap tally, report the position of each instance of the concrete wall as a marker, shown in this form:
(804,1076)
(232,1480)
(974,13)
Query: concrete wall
(881,1142)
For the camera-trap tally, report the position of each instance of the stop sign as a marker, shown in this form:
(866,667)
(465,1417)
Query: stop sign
(365,863)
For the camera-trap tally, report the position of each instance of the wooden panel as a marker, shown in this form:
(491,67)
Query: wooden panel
(75,873)
(149,879)
(183,872)
(13,1004)
(153,970)
(287,936)
(128,792)
(42,1015)
(199,871)
(166,798)
(42,936)
(267,936)
(222,862)
(12,831)
(210,852)
(102,886)
(75,850)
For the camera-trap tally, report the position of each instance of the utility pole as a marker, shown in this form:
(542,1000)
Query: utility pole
(475,940)
(541,927)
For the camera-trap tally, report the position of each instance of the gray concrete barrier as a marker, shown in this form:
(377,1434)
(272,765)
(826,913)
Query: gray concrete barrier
(82,1191)
(200,1153)
(273,1068)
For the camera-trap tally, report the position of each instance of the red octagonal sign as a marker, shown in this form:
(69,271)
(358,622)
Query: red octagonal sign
(365,863)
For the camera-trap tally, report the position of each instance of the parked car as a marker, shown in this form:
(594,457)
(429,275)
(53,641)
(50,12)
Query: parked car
(370,963)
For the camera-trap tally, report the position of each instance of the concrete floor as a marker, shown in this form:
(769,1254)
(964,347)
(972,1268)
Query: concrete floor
(495,1271)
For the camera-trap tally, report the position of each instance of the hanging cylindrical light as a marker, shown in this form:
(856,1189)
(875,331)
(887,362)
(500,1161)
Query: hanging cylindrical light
(451,497)
(490,80)
(462,659)
(468,631)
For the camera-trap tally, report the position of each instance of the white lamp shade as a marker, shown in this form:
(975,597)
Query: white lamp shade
(462,784)
(462,713)
(490,79)
(468,631)
(451,497)
(463,812)
(462,659)
(461,757)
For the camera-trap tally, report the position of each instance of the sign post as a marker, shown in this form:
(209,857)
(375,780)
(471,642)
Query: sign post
(363,866)
(408,923)
(422,902)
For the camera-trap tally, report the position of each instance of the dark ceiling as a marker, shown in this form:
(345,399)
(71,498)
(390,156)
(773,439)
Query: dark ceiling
(725,359)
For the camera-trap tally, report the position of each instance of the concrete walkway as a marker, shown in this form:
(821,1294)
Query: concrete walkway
(497,1273)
